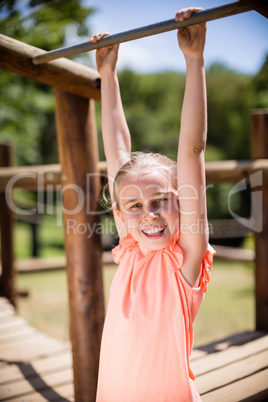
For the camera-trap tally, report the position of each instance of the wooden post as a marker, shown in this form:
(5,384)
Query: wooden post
(77,141)
(7,286)
(259,149)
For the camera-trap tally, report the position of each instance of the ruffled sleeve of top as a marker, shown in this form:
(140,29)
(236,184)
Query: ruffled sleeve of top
(126,244)
(173,248)
(206,268)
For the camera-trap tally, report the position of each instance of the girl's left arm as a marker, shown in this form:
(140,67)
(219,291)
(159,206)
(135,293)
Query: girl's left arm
(192,141)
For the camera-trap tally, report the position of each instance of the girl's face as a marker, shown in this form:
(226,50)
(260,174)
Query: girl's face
(149,208)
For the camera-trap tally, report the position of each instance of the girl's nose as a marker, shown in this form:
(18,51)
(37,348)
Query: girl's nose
(150,215)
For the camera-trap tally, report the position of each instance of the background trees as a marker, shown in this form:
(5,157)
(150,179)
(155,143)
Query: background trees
(26,106)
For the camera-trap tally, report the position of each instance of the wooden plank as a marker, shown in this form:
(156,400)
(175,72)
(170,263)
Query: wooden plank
(22,387)
(5,305)
(225,343)
(51,362)
(41,264)
(20,331)
(9,339)
(16,56)
(53,263)
(37,340)
(5,312)
(216,172)
(261,6)
(42,363)
(233,171)
(5,319)
(47,349)
(232,372)
(62,393)
(232,253)
(9,326)
(215,360)
(38,367)
(28,176)
(12,320)
(252,388)
(21,342)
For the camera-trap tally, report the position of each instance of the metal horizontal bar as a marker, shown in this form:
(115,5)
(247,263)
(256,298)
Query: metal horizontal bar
(225,10)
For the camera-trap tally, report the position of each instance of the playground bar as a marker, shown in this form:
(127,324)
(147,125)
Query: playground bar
(225,10)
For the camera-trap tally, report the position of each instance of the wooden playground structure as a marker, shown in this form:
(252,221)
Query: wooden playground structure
(36,368)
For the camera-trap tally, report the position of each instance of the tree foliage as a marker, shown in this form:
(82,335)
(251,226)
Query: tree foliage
(27,106)
(43,23)
(153,103)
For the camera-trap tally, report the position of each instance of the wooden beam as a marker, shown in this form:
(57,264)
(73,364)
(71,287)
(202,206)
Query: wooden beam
(7,280)
(261,6)
(78,152)
(259,149)
(16,56)
(27,177)
(233,171)
(32,177)
(233,253)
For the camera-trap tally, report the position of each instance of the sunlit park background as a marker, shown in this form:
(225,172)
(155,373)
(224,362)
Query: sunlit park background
(151,74)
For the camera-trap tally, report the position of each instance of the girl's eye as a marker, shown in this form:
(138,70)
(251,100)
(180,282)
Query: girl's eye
(136,206)
(160,200)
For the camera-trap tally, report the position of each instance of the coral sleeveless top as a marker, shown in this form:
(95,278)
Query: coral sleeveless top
(148,335)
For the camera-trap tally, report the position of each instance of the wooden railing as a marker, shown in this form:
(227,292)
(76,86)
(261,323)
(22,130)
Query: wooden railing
(230,171)
(75,89)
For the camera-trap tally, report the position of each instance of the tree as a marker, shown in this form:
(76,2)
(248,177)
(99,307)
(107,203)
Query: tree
(260,86)
(27,107)
(229,104)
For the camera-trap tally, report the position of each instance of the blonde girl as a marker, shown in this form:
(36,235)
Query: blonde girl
(164,257)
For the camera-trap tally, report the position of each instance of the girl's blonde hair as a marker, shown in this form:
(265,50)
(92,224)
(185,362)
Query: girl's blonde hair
(145,161)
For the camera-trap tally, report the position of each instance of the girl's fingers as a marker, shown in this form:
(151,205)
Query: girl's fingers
(185,13)
(96,37)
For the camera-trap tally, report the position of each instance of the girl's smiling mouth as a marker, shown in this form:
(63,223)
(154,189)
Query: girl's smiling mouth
(154,231)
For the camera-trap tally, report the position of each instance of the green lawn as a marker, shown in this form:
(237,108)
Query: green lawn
(228,306)
(51,239)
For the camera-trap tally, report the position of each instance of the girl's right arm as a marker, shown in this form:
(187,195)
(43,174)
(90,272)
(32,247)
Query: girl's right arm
(115,132)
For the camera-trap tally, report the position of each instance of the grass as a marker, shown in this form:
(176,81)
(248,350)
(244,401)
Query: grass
(51,239)
(228,306)
(46,307)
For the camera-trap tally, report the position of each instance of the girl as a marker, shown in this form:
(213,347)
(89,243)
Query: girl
(163,254)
